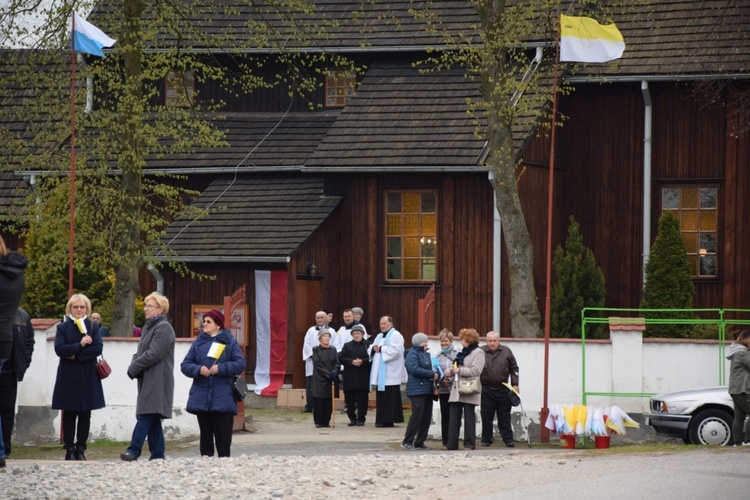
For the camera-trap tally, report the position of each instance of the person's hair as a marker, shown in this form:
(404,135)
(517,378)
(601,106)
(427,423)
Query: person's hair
(160,299)
(445,334)
(470,335)
(390,320)
(347,311)
(493,333)
(3,249)
(744,338)
(78,297)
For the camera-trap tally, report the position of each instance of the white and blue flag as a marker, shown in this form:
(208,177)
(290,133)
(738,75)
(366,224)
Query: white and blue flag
(89,39)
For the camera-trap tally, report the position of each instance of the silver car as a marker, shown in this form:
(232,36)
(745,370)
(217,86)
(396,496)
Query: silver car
(698,416)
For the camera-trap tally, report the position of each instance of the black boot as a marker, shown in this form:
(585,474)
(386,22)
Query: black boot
(70,453)
(79,453)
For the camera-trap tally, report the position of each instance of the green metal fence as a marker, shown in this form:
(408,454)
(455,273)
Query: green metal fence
(721,318)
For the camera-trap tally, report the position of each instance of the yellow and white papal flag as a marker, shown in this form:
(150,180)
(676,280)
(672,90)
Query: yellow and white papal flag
(215,350)
(81,326)
(582,39)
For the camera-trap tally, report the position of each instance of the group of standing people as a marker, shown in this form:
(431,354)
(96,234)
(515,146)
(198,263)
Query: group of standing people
(361,363)
(213,362)
(385,364)
(484,371)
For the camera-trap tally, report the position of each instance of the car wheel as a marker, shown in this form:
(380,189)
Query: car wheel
(711,427)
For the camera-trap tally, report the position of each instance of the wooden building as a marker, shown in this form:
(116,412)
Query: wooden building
(379,195)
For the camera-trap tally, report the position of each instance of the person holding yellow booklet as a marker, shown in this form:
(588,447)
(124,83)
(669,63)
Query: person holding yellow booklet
(78,389)
(213,361)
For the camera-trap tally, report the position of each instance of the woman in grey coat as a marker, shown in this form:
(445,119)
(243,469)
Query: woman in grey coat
(469,364)
(153,366)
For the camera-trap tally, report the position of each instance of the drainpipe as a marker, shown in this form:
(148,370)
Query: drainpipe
(159,278)
(647,138)
(496,260)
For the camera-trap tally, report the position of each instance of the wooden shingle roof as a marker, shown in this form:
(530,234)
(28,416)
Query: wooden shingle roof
(684,37)
(348,24)
(401,118)
(256,140)
(663,37)
(259,219)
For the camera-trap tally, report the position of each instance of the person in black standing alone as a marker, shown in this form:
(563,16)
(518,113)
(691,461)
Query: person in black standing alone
(13,371)
(78,388)
(356,363)
(325,377)
(12,286)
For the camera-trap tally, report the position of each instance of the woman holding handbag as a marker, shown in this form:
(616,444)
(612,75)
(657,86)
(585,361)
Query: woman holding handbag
(213,362)
(465,372)
(78,389)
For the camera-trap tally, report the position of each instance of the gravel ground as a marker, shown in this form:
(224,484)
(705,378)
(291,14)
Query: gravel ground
(292,459)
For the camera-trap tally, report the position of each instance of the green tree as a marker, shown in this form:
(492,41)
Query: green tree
(514,97)
(669,281)
(121,212)
(579,283)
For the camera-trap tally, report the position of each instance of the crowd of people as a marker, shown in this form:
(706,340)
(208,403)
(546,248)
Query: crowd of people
(459,379)
(348,357)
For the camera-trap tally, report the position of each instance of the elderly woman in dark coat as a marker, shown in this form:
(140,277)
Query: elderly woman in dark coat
(153,367)
(213,361)
(419,389)
(325,376)
(78,389)
(356,361)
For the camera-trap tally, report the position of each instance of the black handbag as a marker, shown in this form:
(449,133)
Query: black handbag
(239,388)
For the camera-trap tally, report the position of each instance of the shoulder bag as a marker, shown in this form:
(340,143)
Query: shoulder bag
(102,368)
(469,386)
(239,388)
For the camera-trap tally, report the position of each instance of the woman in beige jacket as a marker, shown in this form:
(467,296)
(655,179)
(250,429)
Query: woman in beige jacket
(469,364)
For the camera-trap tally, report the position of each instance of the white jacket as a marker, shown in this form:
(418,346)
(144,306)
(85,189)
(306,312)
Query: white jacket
(390,358)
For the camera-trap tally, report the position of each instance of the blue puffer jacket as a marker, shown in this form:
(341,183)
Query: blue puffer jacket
(421,374)
(213,393)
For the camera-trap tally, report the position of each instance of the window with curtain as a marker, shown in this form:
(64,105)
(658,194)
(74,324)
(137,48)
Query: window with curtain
(411,235)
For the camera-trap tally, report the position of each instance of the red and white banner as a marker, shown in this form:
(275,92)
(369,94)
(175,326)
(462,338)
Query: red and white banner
(270,331)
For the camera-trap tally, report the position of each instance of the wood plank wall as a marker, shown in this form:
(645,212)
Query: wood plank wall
(599,180)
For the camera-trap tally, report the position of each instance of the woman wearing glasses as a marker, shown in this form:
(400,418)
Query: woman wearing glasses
(78,389)
(153,367)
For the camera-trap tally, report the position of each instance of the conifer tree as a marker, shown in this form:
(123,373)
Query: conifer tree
(579,283)
(669,281)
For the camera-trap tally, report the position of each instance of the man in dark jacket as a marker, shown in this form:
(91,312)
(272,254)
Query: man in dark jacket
(499,365)
(13,371)
(356,363)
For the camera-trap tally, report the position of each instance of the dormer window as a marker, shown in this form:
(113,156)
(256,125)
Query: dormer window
(179,88)
(339,86)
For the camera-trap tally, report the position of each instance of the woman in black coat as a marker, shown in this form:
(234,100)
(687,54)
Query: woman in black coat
(12,286)
(78,389)
(356,360)
(325,375)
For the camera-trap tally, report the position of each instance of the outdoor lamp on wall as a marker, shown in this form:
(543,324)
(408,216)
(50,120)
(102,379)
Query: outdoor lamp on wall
(312,269)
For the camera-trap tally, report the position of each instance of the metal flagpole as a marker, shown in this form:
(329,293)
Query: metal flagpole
(71,236)
(547,296)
